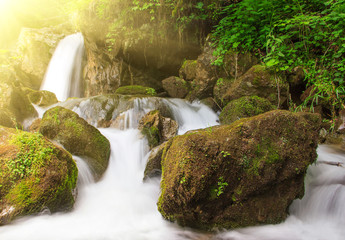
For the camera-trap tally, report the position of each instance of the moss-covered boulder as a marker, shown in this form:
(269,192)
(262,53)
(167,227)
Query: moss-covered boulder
(188,70)
(258,81)
(42,98)
(7,119)
(135,90)
(34,175)
(153,166)
(77,136)
(238,175)
(156,128)
(244,107)
(237,63)
(175,87)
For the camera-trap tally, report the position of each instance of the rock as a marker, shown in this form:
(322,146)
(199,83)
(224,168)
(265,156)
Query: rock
(7,119)
(153,166)
(135,90)
(188,70)
(77,137)
(236,64)
(220,88)
(238,175)
(14,99)
(175,87)
(35,175)
(244,107)
(42,98)
(35,125)
(258,81)
(156,128)
(36,47)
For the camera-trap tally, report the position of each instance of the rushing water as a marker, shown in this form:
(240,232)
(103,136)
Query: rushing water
(64,71)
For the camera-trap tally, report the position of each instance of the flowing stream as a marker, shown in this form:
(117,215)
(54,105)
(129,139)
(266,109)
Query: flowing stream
(121,206)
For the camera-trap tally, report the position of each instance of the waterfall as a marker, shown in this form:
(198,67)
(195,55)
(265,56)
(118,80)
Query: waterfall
(63,76)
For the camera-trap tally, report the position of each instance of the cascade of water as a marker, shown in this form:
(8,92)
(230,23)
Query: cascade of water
(120,206)
(63,76)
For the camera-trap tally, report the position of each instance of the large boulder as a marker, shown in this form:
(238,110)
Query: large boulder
(175,87)
(78,137)
(135,90)
(156,128)
(244,107)
(237,63)
(258,81)
(238,175)
(34,175)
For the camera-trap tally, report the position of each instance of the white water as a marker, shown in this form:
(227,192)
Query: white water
(63,76)
(120,206)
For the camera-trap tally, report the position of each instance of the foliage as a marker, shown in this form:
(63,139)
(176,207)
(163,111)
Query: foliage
(292,33)
(221,186)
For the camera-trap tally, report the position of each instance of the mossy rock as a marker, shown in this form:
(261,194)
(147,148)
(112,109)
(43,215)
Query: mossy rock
(243,174)
(176,87)
(77,137)
(34,175)
(156,128)
(42,98)
(135,90)
(244,107)
(258,81)
(188,70)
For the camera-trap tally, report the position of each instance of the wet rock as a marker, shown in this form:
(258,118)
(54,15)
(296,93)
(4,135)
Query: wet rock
(188,70)
(244,107)
(243,174)
(35,175)
(156,128)
(77,137)
(258,81)
(175,87)
(153,166)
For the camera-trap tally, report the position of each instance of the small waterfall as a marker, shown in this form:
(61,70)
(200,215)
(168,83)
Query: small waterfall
(63,76)
(85,176)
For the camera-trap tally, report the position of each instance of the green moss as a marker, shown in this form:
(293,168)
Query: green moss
(244,107)
(135,90)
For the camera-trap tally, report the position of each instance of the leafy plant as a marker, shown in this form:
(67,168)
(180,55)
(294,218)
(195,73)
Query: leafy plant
(221,186)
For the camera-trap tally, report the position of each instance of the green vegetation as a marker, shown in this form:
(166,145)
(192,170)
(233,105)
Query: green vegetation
(287,34)
(135,90)
(221,186)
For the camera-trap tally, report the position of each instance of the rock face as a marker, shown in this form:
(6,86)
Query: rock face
(78,137)
(238,175)
(244,107)
(36,47)
(257,81)
(35,174)
(175,87)
(157,128)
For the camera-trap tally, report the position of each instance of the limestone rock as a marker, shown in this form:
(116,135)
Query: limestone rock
(77,137)
(244,107)
(35,174)
(243,174)
(258,81)
(175,87)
